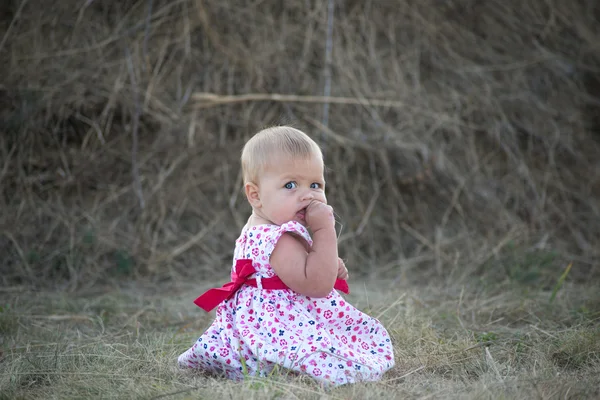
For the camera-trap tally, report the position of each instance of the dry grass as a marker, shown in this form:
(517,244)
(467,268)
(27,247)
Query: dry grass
(454,130)
(462,141)
(450,342)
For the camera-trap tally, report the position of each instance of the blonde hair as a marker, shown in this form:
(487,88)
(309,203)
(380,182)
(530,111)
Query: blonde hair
(273,142)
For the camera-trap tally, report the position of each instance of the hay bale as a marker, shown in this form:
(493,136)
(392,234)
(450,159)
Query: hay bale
(454,128)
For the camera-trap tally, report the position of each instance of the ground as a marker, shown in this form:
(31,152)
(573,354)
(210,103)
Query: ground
(476,339)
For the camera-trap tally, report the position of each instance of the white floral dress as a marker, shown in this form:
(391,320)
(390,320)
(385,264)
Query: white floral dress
(326,338)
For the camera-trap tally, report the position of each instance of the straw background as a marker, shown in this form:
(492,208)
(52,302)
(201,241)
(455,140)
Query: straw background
(456,132)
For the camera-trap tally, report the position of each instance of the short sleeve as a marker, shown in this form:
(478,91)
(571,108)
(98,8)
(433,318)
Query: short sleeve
(292,227)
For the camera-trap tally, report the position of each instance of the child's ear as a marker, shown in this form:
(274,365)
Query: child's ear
(252,194)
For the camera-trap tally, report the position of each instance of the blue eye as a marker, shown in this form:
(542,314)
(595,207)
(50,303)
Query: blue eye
(315,185)
(290,185)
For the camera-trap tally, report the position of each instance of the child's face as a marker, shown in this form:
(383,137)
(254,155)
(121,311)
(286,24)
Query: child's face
(287,187)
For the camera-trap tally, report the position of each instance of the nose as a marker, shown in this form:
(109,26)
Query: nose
(307,195)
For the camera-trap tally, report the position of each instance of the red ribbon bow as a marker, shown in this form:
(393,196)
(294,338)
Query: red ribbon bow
(243,269)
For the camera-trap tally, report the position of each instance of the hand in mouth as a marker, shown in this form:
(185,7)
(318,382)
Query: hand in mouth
(301,214)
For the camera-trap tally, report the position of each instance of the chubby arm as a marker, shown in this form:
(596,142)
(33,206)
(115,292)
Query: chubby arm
(311,273)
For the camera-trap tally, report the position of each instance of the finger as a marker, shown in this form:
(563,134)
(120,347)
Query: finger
(314,203)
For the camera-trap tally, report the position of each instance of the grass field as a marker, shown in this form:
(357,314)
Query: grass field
(462,145)
(479,339)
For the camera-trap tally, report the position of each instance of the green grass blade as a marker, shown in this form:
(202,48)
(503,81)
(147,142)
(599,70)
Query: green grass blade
(560,282)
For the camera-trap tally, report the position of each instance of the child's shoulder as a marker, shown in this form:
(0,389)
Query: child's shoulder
(274,232)
(295,229)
